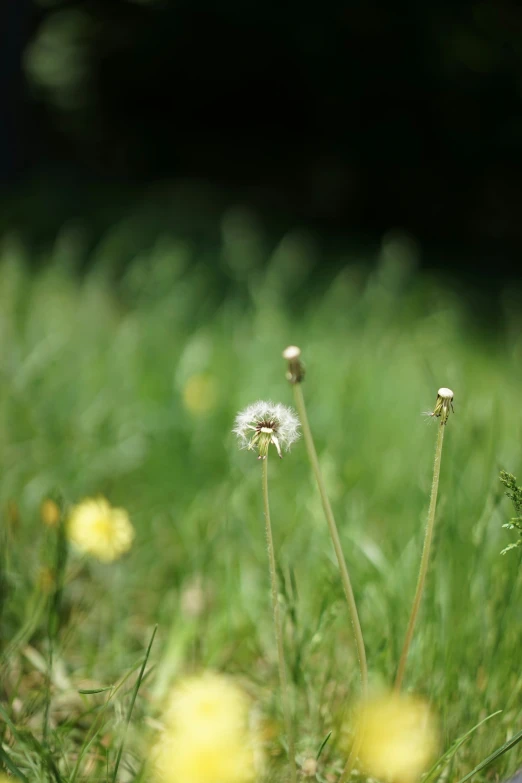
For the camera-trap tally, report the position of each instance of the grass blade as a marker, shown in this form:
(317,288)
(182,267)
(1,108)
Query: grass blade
(131,706)
(322,745)
(452,750)
(8,764)
(494,756)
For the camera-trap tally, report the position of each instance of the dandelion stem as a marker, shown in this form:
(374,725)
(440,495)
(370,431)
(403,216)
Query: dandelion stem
(285,694)
(345,577)
(423,570)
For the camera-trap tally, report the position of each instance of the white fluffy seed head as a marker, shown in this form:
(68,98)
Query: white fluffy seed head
(278,422)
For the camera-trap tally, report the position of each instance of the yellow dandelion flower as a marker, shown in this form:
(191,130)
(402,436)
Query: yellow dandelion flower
(98,529)
(207,737)
(399,737)
(200,393)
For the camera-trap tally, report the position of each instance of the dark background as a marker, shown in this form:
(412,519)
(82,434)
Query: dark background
(353,118)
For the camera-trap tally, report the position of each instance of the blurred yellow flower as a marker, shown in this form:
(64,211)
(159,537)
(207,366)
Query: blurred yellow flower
(399,737)
(207,737)
(98,529)
(50,512)
(200,393)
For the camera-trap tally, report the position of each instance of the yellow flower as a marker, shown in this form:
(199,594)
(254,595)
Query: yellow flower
(207,737)
(98,529)
(399,737)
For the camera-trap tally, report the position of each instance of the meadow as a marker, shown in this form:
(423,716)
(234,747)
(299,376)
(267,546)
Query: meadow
(125,382)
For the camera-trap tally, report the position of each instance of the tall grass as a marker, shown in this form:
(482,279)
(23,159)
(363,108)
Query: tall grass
(127,385)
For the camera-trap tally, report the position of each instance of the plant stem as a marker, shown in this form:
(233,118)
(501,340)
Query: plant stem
(285,695)
(423,570)
(345,577)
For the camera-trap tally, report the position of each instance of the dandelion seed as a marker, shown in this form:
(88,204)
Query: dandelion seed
(399,737)
(207,737)
(264,423)
(98,529)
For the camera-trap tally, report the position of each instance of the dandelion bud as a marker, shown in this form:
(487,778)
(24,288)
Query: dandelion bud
(443,404)
(295,372)
(263,424)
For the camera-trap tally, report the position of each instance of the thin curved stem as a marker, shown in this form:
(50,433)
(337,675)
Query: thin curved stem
(285,694)
(425,559)
(343,570)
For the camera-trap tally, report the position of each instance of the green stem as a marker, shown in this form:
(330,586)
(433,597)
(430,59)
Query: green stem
(425,559)
(285,695)
(345,577)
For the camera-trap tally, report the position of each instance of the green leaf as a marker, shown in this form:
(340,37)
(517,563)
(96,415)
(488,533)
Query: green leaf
(494,756)
(131,707)
(452,750)
(8,764)
(322,745)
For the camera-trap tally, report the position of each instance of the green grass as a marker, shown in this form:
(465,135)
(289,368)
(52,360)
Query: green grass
(95,372)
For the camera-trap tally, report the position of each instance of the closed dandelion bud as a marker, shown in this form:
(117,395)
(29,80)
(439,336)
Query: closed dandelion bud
(295,372)
(265,423)
(443,405)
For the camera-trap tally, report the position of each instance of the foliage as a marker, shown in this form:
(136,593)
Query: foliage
(514,493)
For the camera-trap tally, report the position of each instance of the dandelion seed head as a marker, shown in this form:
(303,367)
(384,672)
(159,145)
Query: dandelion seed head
(399,737)
(98,529)
(207,736)
(264,423)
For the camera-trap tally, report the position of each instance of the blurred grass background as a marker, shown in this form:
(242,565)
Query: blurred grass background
(124,381)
